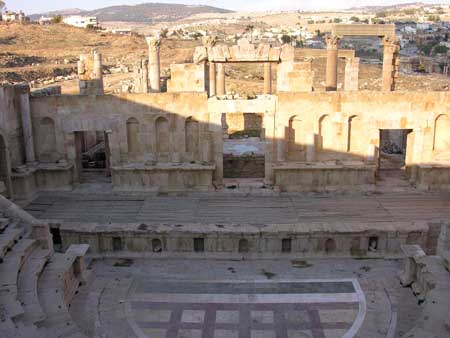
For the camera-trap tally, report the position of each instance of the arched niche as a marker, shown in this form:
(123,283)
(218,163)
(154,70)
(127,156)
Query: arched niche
(47,140)
(162,135)
(326,132)
(441,133)
(192,135)
(133,135)
(294,136)
(355,135)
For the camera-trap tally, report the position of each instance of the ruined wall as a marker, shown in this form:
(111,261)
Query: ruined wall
(148,130)
(243,124)
(187,77)
(295,76)
(348,123)
(148,134)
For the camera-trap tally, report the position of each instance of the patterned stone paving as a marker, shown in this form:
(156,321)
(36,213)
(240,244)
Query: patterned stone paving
(305,309)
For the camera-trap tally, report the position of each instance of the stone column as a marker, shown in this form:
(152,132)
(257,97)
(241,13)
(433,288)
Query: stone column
(212,79)
(332,63)
(267,78)
(209,42)
(390,63)
(220,90)
(141,77)
(154,76)
(97,71)
(351,74)
(311,147)
(27,126)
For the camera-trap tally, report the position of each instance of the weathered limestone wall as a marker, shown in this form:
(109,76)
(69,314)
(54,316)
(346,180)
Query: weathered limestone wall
(148,133)
(345,127)
(336,117)
(12,150)
(295,76)
(306,240)
(154,134)
(187,77)
(10,123)
(243,122)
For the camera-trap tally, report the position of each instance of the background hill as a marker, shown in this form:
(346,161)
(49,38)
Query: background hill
(147,12)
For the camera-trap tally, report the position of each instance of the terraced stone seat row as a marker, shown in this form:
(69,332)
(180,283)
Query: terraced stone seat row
(33,287)
(54,296)
(429,278)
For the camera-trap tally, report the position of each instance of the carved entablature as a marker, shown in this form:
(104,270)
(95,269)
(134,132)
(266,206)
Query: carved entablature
(244,51)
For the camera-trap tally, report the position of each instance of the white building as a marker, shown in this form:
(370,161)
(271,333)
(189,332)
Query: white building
(81,21)
(8,16)
(45,20)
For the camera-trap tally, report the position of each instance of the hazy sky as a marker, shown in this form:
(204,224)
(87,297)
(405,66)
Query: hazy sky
(37,6)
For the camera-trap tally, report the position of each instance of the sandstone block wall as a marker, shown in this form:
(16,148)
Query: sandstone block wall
(187,77)
(295,77)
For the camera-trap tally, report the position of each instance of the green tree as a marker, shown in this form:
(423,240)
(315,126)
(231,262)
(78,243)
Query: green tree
(163,33)
(434,18)
(249,29)
(57,19)
(286,38)
(440,49)
(337,20)
(354,19)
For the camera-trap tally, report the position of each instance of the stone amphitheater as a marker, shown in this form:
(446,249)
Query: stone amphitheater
(184,211)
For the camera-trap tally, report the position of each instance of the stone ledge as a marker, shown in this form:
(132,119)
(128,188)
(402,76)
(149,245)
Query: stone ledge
(166,167)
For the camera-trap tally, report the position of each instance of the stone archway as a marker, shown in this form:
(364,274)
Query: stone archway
(5,173)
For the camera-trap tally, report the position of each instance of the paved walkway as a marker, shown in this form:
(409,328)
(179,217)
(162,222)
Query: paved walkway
(244,299)
(219,208)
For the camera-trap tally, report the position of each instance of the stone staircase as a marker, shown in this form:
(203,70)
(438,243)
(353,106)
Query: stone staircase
(33,285)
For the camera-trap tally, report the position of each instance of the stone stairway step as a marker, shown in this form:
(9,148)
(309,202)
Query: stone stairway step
(28,287)
(9,271)
(4,222)
(58,321)
(8,239)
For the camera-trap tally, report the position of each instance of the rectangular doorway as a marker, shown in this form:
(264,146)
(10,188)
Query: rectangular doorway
(243,146)
(392,157)
(93,156)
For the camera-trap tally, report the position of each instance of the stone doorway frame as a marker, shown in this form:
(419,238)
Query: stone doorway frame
(77,152)
(391,59)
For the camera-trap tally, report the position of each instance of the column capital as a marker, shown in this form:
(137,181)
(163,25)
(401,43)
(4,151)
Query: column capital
(153,43)
(390,44)
(332,42)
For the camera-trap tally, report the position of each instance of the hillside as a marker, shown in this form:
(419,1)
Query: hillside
(395,7)
(147,12)
(44,55)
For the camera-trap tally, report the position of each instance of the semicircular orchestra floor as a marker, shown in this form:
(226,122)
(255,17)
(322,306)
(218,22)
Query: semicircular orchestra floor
(174,298)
